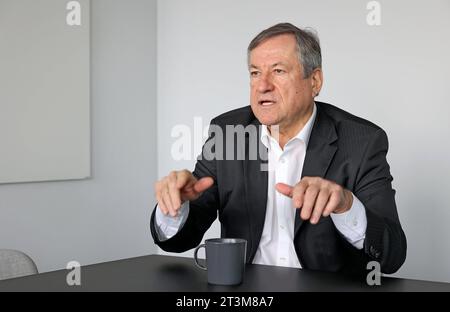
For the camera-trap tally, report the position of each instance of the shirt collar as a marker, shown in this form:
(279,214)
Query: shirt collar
(303,135)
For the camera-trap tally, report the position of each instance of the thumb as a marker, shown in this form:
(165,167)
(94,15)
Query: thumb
(203,184)
(284,189)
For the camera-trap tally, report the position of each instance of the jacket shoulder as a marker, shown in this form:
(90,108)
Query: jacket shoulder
(345,121)
(240,116)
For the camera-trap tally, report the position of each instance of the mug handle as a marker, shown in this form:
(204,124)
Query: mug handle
(196,258)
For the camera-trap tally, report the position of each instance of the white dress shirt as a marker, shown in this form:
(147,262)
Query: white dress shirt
(276,246)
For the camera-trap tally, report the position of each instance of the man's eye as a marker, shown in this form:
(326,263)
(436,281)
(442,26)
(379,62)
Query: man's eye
(254,73)
(279,71)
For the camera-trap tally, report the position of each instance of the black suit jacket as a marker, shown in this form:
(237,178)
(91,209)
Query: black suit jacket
(342,148)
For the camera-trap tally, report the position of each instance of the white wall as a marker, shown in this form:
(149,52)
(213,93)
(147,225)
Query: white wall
(395,75)
(106,217)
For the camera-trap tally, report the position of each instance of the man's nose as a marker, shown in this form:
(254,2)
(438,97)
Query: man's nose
(265,84)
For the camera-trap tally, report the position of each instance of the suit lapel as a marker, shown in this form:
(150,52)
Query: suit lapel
(256,179)
(320,151)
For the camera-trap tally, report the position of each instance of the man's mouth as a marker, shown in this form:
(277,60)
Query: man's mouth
(266,102)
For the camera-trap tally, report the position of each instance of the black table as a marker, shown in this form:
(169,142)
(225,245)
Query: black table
(168,274)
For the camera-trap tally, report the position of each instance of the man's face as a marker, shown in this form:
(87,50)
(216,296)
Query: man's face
(279,93)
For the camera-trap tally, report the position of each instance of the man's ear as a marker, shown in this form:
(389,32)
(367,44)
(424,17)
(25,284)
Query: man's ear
(316,81)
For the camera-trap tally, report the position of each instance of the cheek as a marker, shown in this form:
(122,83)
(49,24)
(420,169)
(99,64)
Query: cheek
(287,94)
(285,87)
(253,92)
(300,92)
(252,97)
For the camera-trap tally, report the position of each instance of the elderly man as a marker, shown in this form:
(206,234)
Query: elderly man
(326,202)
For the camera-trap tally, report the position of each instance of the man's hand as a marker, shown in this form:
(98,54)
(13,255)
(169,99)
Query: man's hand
(176,188)
(317,197)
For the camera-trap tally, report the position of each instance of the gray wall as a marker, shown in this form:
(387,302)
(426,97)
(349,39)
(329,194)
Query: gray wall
(106,217)
(395,75)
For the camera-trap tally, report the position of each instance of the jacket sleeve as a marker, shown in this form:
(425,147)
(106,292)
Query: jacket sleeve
(385,240)
(202,211)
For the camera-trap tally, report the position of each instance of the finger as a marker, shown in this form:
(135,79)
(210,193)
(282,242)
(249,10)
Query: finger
(158,195)
(161,204)
(284,189)
(333,202)
(310,199)
(168,202)
(174,192)
(203,184)
(185,185)
(164,205)
(184,178)
(321,202)
(299,193)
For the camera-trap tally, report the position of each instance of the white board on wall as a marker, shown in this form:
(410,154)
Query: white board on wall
(44,91)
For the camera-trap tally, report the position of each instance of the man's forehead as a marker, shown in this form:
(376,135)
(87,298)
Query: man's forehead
(272,58)
(282,46)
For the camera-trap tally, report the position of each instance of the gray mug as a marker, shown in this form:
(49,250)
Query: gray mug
(225,260)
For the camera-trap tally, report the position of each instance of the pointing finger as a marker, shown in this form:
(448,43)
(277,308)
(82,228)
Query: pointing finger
(284,189)
(203,184)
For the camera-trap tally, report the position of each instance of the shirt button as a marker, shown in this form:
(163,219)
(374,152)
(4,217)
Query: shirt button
(355,222)
(282,227)
(282,160)
(282,259)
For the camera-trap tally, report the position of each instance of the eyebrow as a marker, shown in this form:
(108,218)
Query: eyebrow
(278,64)
(272,66)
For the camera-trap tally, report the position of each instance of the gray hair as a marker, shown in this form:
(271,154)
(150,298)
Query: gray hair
(308,45)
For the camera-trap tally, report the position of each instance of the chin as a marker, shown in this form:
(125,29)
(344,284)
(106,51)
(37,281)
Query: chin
(265,118)
(267,121)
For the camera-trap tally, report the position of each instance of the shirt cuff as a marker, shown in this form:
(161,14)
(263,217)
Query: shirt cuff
(352,224)
(166,225)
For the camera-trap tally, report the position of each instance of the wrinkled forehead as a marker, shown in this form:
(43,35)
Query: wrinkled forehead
(281,49)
